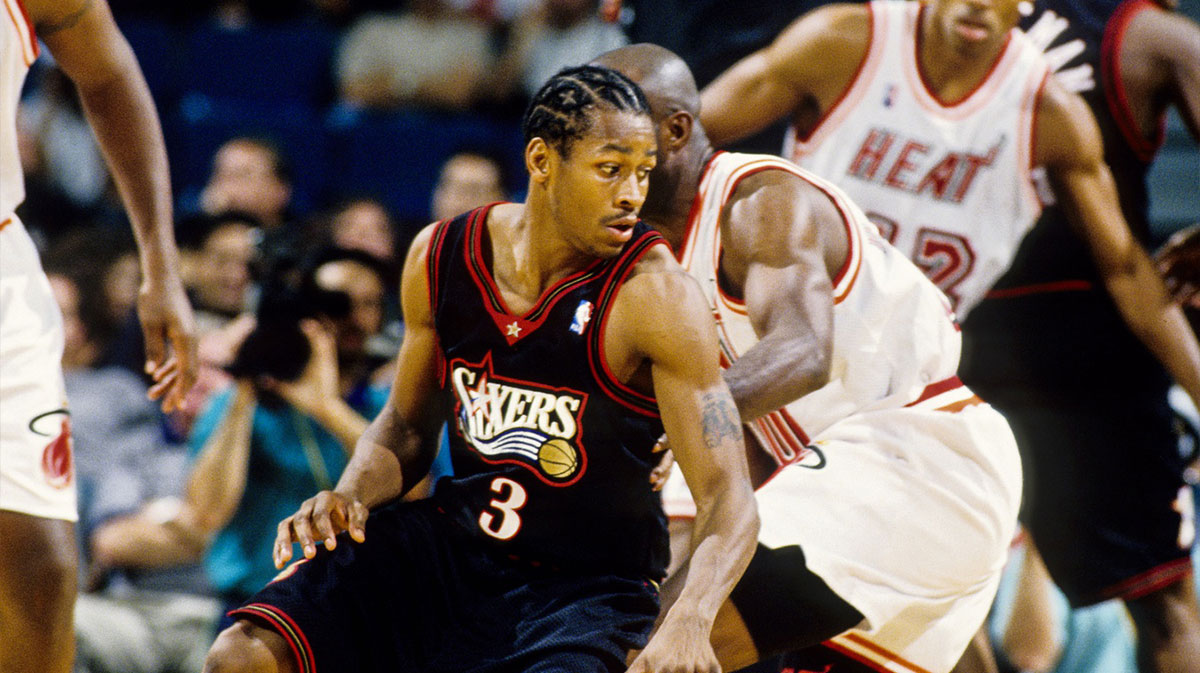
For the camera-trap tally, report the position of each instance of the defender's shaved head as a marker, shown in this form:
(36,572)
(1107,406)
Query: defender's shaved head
(663,76)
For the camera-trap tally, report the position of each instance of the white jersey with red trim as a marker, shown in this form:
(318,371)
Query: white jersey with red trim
(18,49)
(949,184)
(894,342)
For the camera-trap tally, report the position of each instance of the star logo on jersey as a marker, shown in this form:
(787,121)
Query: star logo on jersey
(507,420)
(513,330)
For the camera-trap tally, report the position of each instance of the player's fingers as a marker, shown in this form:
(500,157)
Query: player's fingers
(283,543)
(154,334)
(184,349)
(358,521)
(661,445)
(302,529)
(156,391)
(323,525)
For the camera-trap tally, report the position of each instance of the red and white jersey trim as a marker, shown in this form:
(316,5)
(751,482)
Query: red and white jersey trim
(26,36)
(871,655)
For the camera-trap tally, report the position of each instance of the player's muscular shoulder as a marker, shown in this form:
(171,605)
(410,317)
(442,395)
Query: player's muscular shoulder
(776,218)
(1066,132)
(53,16)
(658,299)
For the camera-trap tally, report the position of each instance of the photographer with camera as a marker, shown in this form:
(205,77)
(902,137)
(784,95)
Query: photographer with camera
(302,393)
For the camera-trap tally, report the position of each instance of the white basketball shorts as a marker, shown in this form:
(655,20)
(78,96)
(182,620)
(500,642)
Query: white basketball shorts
(907,514)
(37,474)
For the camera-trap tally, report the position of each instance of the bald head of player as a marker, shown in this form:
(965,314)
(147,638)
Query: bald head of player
(683,147)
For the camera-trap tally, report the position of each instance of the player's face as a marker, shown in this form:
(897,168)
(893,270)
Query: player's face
(975,26)
(597,192)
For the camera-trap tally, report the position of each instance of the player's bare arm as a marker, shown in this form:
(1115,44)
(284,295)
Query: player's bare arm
(1068,144)
(776,260)
(396,450)
(1160,67)
(808,66)
(87,45)
(661,318)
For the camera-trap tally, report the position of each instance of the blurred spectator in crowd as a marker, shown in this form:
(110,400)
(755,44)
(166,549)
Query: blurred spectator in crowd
(220,266)
(468,179)
(103,261)
(127,621)
(429,54)
(66,178)
(365,224)
(301,398)
(553,34)
(252,176)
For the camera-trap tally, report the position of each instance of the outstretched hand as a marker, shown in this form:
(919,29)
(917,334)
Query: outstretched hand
(169,329)
(1179,263)
(320,518)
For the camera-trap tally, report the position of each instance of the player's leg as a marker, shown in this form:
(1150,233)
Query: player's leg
(37,593)
(38,557)
(1168,628)
(779,605)
(248,648)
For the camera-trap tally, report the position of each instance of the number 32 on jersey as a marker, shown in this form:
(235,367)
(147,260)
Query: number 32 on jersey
(945,258)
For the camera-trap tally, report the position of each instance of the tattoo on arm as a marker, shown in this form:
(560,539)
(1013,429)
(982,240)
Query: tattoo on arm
(68,21)
(720,420)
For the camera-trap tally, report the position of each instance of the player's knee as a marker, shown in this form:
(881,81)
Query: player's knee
(246,648)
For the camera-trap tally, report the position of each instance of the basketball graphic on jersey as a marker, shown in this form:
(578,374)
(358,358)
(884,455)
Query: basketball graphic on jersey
(558,459)
(507,420)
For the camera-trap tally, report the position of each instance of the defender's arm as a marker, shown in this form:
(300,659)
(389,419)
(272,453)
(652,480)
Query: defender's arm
(1069,146)
(816,55)
(773,251)
(90,49)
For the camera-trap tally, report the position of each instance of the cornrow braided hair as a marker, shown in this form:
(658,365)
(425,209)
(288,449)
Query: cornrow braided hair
(561,111)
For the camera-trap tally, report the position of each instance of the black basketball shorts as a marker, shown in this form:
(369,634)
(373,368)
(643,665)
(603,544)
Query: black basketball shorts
(421,595)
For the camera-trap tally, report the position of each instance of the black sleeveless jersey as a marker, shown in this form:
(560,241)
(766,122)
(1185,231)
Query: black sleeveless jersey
(1049,320)
(1093,28)
(551,454)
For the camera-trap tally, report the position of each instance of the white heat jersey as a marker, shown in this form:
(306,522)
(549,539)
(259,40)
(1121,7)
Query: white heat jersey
(947,184)
(18,49)
(894,342)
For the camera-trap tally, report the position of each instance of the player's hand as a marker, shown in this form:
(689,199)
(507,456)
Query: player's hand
(1179,263)
(318,383)
(658,476)
(678,646)
(169,329)
(321,517)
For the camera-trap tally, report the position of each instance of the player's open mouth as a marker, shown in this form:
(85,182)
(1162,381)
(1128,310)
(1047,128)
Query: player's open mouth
(623,227)
(973,30)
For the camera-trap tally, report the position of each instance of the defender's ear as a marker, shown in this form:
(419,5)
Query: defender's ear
(678,129)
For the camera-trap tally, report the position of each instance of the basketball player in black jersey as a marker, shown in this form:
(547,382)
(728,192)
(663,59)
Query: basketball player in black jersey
(1086,400)
(559,338)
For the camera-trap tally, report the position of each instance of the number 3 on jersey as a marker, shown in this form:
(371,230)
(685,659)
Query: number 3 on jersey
(945,258)
(513,499)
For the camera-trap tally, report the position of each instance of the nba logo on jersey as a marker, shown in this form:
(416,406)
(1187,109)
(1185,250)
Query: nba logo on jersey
(888,95)
(583,313)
